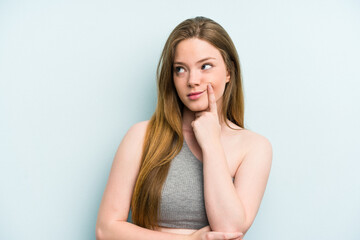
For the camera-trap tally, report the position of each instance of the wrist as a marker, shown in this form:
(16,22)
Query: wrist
(211,145)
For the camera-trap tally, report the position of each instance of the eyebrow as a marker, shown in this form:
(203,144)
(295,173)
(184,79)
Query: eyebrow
(202,60)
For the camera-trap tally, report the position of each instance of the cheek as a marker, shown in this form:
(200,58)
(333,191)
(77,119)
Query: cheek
(218,90)
(177,87)
(179,90)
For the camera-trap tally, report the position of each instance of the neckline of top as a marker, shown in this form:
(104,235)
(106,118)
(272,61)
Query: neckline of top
(187,146)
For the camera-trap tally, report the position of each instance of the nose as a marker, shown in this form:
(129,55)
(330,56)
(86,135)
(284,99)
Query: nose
(193,79)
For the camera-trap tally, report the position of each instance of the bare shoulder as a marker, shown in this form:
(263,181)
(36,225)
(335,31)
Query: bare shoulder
(248,139)
(255,144)
(253,139)
(242,144)
(137,131)
(130,147)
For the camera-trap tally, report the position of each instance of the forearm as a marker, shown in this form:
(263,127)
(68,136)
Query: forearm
(223,206)
(119,230)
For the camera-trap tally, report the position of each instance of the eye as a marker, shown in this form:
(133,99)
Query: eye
(206,66)
(179,69)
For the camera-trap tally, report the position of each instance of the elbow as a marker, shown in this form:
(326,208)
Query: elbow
(241,223)
(237,228)
(109,230)
(235,221)
(234,226)
(102,230)
(99,233)
(229,227)
(244,227)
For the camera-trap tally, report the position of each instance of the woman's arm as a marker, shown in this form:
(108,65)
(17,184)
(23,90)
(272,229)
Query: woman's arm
(115,204)
(123,230)
(233,206)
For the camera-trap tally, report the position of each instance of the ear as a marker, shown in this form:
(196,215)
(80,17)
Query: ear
(228,75)
(228,71)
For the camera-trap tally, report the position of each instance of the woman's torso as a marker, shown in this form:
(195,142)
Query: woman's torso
(235,147)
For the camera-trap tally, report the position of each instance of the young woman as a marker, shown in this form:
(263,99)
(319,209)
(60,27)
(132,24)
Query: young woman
(192,171)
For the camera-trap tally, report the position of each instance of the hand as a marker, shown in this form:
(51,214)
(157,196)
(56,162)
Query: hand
(206,125)
(205,233)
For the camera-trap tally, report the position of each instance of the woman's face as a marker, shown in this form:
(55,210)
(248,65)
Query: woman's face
(197,63)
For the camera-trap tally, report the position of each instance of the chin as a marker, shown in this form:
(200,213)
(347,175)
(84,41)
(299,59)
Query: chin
(198,108)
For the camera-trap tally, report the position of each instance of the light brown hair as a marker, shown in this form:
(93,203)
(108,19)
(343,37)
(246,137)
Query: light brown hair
(164,138)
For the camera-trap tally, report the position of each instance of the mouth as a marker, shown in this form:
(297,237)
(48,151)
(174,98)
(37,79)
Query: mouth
(195,95)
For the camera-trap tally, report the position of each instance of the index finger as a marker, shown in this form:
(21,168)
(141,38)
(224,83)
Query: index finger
(212,99)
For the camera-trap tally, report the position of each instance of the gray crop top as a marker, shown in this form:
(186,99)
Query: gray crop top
(182,202)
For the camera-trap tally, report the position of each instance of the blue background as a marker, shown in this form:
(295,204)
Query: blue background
(75,75)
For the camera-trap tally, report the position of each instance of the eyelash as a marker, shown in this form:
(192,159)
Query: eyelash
(177,69)
(202,67)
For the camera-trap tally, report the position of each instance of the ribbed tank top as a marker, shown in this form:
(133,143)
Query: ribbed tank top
(182,202)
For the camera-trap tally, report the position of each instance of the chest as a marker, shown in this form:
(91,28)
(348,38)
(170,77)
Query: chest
(233,150)
(182,202)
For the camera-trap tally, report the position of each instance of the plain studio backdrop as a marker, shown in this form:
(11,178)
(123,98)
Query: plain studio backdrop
(75,75)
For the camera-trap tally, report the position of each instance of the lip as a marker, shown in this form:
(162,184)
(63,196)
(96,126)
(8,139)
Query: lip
(195,95)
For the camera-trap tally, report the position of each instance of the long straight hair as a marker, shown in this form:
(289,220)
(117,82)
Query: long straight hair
(164,138)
